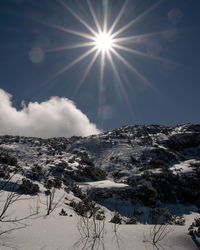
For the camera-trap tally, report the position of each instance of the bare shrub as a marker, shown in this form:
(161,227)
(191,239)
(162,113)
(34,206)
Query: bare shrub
(157,233)
(116,220)
(51,202)
(91,227)
(92,220)
(7,201)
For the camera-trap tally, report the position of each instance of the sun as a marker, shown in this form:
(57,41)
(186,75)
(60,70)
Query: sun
(103,42)
(106,42)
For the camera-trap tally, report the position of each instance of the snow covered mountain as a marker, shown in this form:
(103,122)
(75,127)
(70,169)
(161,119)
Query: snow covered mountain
(146,173)
(159,157)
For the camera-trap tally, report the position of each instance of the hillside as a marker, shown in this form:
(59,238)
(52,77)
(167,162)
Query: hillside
(134,174)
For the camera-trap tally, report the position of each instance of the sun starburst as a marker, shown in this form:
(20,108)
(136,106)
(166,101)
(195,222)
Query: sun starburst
(106,43)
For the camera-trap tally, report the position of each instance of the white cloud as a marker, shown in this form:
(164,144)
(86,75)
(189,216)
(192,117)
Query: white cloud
(53,118)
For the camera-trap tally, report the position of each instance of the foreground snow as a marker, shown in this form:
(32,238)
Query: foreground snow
(61,232)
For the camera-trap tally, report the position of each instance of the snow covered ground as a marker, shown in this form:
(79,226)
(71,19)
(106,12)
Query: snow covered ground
(120,170)
(61,232)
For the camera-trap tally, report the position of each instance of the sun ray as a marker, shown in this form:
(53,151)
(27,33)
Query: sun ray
(102,65)
(78,17)
(136,52)
(80,58)
(105,17)
(86,72)
(133,69)
(107,44)
(119,81)
(141,36)
(74,32)
(90,66)
(118,17)
(75,46)
(94,16)
(131,23)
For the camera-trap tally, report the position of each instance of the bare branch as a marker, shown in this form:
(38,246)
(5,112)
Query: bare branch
(51,204)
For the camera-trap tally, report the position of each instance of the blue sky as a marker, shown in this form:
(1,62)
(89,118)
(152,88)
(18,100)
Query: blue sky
(28,66)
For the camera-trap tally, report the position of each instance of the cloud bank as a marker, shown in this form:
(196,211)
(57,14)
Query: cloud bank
(53,118)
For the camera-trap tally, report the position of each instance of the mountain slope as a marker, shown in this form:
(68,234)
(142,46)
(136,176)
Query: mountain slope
(143,174)
(162,162)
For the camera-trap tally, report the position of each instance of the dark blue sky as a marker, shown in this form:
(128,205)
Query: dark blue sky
(27,67)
